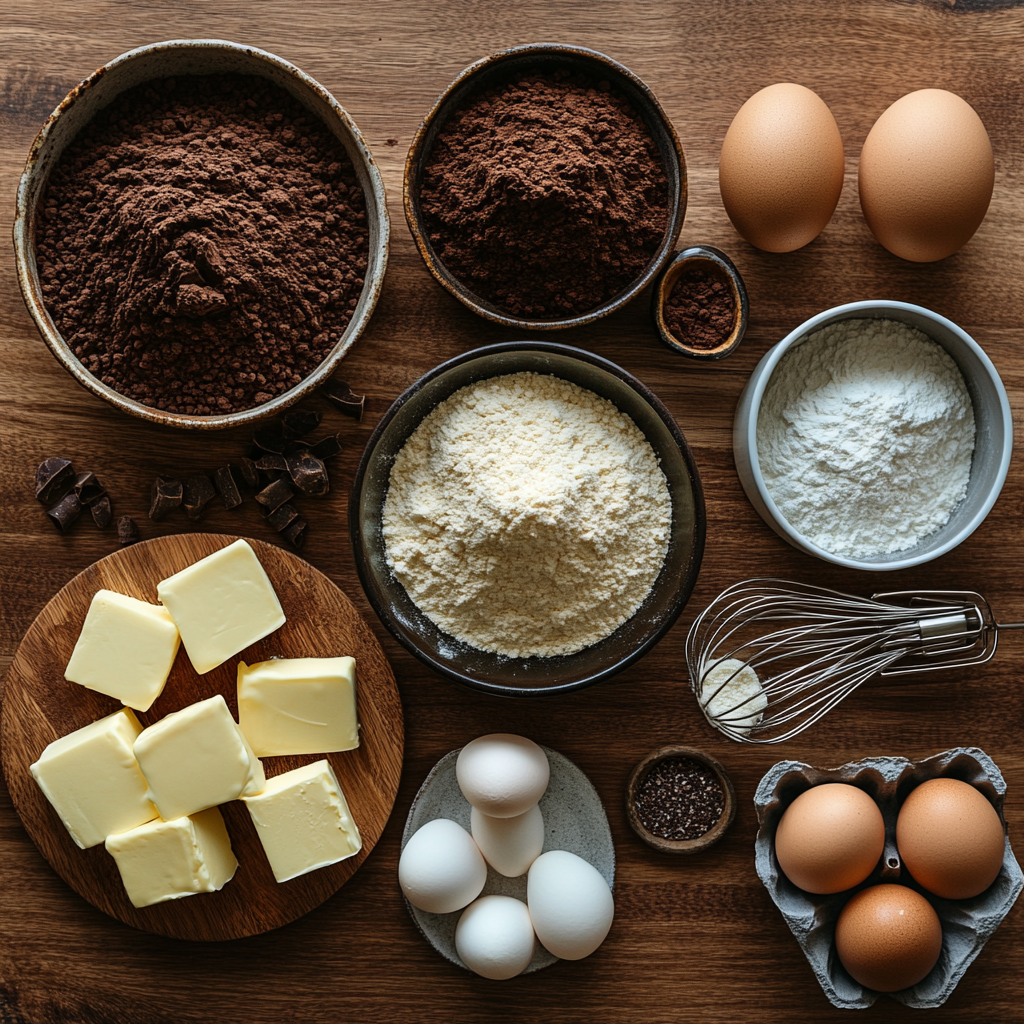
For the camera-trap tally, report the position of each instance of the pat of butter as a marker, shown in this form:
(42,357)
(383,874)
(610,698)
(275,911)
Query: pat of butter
(298,705)
(197,758)
(166,860)
(221,605)
(125,650)
(303,821)
(93,781)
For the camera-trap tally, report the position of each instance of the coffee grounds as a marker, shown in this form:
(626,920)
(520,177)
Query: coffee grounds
(545,196)
(203,243)
(680,799)
(700,311)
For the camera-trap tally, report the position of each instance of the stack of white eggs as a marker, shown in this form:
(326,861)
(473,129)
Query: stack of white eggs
(443,868)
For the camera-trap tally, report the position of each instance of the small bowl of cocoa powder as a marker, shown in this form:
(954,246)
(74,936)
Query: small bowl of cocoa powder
(699,305)
(201,233)
(546,186)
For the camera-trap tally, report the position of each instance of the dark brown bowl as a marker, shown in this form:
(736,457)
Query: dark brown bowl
(698,254)
(636,780)
(497,68)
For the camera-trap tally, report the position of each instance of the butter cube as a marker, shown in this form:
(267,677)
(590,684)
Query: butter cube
(125,650)
(93,780)
(221,605)
(197,758)
(166,860)
(303,821)
(298,705)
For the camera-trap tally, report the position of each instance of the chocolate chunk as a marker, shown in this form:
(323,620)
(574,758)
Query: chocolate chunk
(65,512)
(54,478)
(298,423)
(101,511)
(165,495)
(196,495)
(273,463)
(275,494)
(327,447)
(340,394)
(270,437)
(127,531)
(248,473)
(309,474)
(88,488)
(281,517)
(295,532)
(227,485)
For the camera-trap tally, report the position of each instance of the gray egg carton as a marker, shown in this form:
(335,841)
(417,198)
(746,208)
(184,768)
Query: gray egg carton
(966,924)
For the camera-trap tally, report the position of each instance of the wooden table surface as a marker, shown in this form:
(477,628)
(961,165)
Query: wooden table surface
(694,939)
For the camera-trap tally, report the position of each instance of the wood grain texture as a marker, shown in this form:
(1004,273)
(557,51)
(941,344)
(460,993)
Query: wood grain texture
(695,939)
(40,705)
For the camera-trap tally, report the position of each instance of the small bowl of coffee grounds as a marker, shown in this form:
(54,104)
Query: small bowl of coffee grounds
(699,305)
(546,186)
(201,233)
(680,800)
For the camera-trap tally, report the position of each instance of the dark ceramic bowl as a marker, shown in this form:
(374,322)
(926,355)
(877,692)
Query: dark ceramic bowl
(496,69)
(714,258)
(529,677)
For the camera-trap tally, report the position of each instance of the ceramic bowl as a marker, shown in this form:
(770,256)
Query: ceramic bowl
(192,57)
(639,776)
(528,677)
(993,425)
(703,257)
(495,69)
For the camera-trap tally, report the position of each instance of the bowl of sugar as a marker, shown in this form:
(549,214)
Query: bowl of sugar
(877,435)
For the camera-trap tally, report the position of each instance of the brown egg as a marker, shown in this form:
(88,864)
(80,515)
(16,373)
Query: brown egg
(781,168)
(950,838)
(926,175)
(888,937)
(830,838)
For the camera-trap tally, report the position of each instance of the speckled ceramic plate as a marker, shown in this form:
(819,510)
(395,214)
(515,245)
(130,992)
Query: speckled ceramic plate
(574,820)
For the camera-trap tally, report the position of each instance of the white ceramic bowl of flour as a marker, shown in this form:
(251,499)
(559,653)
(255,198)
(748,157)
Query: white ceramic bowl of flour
(992,445)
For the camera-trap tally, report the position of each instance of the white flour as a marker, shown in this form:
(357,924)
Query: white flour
(865,437)
(527,516)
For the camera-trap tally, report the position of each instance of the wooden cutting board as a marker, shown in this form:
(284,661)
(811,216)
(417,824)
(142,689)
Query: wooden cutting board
(40,705)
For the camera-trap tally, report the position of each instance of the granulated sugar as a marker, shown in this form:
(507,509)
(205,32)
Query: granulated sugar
(527,516)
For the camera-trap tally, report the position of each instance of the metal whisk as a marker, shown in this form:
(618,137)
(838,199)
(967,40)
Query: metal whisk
(767,658)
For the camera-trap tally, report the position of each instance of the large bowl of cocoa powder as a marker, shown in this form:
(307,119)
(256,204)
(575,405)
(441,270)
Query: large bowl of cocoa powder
(546,187)
(201,233)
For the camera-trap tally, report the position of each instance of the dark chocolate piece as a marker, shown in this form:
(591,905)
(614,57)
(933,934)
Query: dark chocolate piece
(88,488)
(281,517)
(327,447)
(127,530)
(197,493)
(295,532)
(275,494)
(54,478)
(102,513)
(341,395)
(65,512)
(270,437)
(309,474)
(248,473)
(298,423)
(273,463)
(165,495)
(227,485)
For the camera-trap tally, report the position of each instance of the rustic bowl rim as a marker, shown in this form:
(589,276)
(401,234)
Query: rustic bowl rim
(676,846)
(663,288)
(29,191)
(443,107)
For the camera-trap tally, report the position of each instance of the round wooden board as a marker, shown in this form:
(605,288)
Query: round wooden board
(40,705)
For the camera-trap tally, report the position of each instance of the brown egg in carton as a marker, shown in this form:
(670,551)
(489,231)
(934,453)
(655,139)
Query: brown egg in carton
(966,924)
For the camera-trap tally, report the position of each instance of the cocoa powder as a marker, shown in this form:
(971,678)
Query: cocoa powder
(701,311)
(545,196)
(203,243)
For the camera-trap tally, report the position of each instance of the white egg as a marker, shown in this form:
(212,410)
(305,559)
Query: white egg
(495,937)
(501,774)
(570,904)
(509,845)
(441,868)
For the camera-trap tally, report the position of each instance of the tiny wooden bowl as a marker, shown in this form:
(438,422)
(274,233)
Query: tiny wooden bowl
(636,780)
(663,289)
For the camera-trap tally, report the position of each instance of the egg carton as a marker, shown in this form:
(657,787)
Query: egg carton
(966,924)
